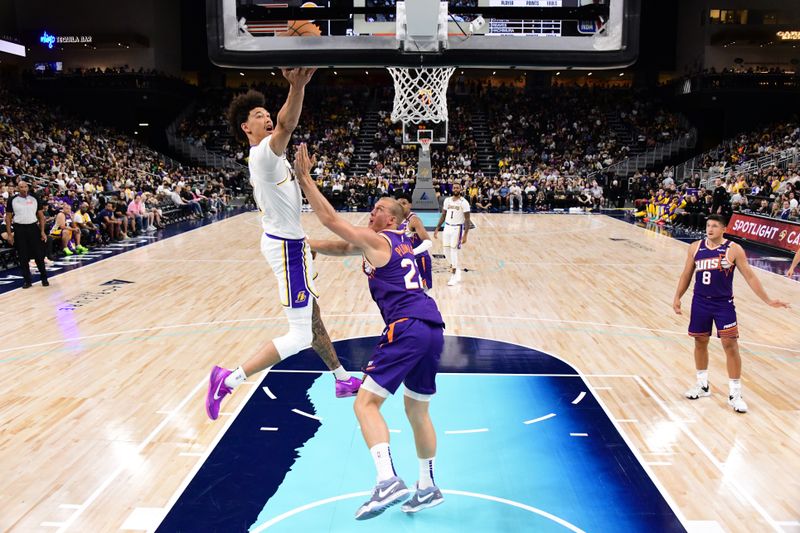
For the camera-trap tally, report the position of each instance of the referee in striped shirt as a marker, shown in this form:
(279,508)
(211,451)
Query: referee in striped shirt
(27,234)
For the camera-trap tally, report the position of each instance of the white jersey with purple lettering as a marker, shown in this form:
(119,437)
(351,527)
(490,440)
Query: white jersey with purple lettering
(454,221)
(283,245)
(276,192)
(455,209)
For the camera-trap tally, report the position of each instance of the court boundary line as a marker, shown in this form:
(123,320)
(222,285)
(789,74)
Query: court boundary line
(375,316)
(93,496)
(207,453)
(725,479)
(534,510)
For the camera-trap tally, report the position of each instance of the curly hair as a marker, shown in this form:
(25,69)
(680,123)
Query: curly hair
(240,109)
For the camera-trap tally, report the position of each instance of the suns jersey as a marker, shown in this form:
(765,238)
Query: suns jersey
(713,272)
(405,227)
(276,192)
(396,287)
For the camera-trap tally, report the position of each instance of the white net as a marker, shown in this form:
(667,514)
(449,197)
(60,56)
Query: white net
(420,93)
(425,144)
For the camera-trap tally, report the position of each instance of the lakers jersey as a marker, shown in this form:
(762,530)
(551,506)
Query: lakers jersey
(276,192)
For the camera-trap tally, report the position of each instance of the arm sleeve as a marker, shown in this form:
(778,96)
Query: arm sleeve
(423,247)
(268,166)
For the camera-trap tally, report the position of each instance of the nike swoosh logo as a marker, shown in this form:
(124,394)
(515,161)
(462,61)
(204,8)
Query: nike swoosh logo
(383,493)
(216,392)
(426,497)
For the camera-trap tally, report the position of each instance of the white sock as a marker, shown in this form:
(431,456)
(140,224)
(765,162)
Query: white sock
(237,377)
(383,461)
(426,473)
(702,377)
(735,386)
(454,258)
(341,374)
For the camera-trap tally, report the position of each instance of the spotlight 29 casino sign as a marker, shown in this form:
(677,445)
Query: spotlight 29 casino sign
(776,233)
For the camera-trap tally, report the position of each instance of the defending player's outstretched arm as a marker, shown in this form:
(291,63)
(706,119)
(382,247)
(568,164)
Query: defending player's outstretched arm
(375,248)
(335,248)
(740,261)
(289,115)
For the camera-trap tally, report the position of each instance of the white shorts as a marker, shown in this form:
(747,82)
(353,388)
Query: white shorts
(451,236)
(293,267)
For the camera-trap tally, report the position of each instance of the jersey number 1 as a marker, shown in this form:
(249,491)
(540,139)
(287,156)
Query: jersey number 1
(411,275)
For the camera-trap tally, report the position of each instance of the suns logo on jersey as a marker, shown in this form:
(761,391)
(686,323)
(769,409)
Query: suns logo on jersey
(301,297)
(715,263)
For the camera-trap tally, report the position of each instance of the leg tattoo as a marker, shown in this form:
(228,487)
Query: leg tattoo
(322,342)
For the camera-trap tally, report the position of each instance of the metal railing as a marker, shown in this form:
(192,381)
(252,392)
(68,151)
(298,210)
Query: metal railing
(781,159)
(655,155)
(199,154)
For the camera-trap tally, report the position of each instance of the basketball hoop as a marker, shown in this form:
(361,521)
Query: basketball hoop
(426,145)
(420,93)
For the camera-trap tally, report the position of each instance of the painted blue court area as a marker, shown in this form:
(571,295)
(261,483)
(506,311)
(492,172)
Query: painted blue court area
(522,446)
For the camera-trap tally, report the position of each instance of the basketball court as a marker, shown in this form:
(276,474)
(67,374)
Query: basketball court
(560,402)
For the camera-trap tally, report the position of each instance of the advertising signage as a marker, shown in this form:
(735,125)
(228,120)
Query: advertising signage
(780,234)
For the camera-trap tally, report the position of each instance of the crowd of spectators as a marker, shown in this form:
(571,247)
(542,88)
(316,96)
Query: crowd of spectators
(750,146)
(770,190)
(106,185)
(544,143)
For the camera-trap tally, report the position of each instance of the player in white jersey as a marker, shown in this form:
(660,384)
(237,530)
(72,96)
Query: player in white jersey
(455,216)
(283,245)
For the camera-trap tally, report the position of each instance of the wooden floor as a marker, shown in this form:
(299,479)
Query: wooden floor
(102,410)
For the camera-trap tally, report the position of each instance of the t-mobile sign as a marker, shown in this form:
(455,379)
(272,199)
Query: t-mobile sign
(776,233)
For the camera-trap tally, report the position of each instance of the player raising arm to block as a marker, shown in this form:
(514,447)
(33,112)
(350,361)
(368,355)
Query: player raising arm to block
(408,351)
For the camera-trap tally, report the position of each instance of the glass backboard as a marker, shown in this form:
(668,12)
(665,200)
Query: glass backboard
(481,33)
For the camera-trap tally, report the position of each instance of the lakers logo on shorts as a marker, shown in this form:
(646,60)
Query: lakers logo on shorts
(301,297)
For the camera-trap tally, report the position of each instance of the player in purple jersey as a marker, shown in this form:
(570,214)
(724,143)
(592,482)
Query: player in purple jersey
(409,350)
(420,240)
(713,260)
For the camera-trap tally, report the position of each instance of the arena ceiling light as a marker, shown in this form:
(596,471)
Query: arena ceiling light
(12,48)
(143,124)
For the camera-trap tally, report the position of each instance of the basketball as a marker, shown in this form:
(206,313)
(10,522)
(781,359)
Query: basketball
(301,28)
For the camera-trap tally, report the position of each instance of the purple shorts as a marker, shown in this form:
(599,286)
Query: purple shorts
(408,353)
(425,269)
(706,311)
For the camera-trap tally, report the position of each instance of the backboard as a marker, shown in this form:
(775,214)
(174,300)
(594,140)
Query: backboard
(435,131)
(481,33)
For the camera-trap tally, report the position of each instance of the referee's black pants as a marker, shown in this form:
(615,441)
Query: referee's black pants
(29,245)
